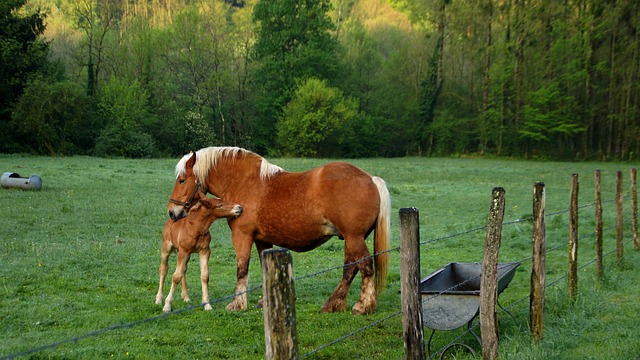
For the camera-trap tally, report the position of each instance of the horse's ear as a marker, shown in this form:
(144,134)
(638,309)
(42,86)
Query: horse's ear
(192,160)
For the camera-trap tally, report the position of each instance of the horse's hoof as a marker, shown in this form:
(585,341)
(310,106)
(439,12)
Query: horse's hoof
(208,307)
(359,309)
(333,306)
(166,309)
(235,306)
(159,300)
(260,304)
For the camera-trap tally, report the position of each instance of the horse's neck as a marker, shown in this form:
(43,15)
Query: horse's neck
(235,175)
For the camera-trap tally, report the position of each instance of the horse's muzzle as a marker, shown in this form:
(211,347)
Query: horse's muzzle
(177,214)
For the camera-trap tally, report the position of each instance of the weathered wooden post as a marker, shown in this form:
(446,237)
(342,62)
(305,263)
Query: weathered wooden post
(634,209)
(619,219)
(279,305)
(538,264)
(573,238)
(599,266)
(489,281)
(412,329)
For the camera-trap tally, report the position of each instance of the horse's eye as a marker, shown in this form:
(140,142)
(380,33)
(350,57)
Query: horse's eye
(182,181)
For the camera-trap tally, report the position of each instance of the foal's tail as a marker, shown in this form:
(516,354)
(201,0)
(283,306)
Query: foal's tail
(382,235)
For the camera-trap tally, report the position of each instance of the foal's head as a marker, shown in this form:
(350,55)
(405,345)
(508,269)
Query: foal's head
(219,208)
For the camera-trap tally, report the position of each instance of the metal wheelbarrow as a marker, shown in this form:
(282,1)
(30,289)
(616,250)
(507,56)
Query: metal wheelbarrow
(451,297)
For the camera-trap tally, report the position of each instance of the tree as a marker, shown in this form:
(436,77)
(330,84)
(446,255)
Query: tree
(22,53)
(97,19)
(293,43)
(313,122)
(124,107)
(55,118)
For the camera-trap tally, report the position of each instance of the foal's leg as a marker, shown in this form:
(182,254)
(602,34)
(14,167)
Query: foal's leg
(242,244)
(178,275)
(204,277)
(183,283)
(164,259)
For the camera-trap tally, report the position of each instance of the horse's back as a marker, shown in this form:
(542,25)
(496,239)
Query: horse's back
(335,199)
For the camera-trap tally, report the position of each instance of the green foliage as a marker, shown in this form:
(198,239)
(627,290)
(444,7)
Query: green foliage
(313,122)
(293,43)
(22,53)
(556,80)
(451,134)
(55,118)
(198,131)
(549,113)
(431,87)
(124,107)
(119,142)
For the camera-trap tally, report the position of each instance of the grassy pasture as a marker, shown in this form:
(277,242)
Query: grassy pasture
(82,255)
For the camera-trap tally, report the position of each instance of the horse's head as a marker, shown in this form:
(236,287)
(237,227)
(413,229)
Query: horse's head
(184,191)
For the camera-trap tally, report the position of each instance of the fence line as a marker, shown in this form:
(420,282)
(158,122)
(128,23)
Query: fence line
(257,287)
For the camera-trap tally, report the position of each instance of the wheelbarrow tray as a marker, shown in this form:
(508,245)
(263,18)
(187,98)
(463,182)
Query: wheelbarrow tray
(451,294)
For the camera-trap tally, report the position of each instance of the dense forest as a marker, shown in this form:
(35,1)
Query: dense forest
(321,78)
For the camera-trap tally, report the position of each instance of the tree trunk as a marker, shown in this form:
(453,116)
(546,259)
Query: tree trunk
(487,69)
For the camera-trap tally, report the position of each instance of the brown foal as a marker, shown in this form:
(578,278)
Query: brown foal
(190,235)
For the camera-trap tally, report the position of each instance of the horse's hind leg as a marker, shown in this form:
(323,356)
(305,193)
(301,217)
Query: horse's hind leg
(177,277)
(183,284)
(367,303)
(356,257)
(338,300)
(164,259)
(204,277)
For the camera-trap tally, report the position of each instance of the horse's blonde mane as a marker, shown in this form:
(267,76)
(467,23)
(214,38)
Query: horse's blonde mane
(207,158)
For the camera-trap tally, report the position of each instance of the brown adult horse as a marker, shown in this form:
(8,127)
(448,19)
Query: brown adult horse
(296,210)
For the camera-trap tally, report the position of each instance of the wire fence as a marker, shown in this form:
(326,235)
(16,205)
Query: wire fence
(355,332)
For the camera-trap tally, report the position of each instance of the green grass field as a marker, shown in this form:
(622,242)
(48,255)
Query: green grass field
(79,264)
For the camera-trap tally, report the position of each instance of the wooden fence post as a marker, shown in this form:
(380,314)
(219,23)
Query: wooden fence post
(538,264)
(599,266)
(573,238)
(634,209)
(619,220)
(279,305)
(411,305)
(489,280)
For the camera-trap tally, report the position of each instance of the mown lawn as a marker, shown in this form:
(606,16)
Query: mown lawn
(79,264)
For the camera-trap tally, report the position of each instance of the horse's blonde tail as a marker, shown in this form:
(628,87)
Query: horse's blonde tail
(382,235)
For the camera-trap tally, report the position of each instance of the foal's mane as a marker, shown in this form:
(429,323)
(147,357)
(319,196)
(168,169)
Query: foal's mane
(207,158)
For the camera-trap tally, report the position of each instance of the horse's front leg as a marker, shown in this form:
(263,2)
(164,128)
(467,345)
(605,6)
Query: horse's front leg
(260,247)
(242,244)
(204,277)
